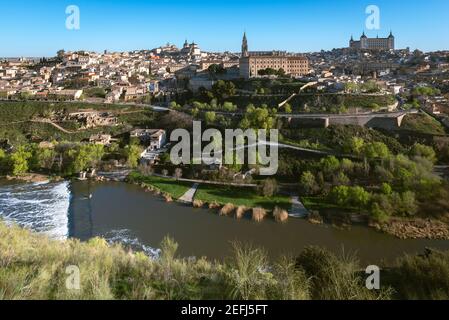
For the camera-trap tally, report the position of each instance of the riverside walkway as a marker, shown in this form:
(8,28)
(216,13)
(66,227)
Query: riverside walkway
(188,196)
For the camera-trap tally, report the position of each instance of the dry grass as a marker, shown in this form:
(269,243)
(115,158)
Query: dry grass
(198,204)
(280,215)
(167,197)
(240,212)
(32,267)
(259,214)
(227,209)
(214,205)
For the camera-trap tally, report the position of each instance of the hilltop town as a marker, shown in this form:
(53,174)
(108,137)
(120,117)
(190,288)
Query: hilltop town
(363,128)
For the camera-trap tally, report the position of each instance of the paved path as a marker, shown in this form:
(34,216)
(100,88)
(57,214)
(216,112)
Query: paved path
(298,210)
(188,196)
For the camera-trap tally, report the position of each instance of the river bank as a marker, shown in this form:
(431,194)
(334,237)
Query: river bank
(239,207)
(127,214)
(401,228)
(33,178)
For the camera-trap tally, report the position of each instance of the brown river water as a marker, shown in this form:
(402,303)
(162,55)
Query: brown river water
(125,213)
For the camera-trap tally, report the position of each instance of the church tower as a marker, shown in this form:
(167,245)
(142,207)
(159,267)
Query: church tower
(245,52)
(391,41)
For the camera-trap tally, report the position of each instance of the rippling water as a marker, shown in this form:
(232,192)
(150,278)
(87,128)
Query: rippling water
(41,207)
(126,238)
(125,214)
(45,208)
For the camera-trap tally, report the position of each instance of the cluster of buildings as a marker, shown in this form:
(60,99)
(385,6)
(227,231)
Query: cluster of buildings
(161,72)
(376,59)
(133,76)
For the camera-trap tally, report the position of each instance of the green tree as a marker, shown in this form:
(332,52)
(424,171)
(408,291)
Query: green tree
(376,150)
(340,179)
(308,183)
(330,165)
(359,197)
(339,195)
(386,189)
(258,118)
(287,108)
(4,162)
(407,204)
(85,156)
(347,166)
(229,107)
(210,117)
(133,153)
(223,89)
(421,150)
(19,161)
(216,69)
(45,158)
(378,214)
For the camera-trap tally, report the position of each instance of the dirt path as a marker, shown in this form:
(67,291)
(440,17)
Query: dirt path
(53,124)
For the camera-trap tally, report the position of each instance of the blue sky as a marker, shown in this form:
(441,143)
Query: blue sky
(37,28)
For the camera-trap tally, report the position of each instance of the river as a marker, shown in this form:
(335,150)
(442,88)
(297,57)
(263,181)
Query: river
(125,213)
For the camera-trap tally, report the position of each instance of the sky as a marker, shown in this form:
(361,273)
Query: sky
(36,28)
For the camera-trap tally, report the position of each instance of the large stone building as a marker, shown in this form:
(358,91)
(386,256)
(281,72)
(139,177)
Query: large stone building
(366,43)
(252,62)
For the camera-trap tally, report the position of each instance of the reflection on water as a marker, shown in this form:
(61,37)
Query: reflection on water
(125,213)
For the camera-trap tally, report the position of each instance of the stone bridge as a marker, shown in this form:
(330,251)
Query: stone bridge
(372,120)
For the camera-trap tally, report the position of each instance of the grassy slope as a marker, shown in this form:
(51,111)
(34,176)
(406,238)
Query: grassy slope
(34,267)
(14,117)
(175,188)
(422,123)
(240,196)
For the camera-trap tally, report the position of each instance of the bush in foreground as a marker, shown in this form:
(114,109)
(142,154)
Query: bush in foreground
(34,267)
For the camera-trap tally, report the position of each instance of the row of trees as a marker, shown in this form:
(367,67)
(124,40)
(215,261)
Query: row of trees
(63,158)
(272,72)
(259,118)
(381,206)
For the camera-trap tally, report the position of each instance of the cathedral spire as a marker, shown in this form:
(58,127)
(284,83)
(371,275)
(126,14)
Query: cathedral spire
(245,52)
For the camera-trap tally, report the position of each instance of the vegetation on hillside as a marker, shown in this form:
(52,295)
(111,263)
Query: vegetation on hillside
(34,267)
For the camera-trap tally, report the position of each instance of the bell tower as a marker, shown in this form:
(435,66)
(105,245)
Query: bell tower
(245,52)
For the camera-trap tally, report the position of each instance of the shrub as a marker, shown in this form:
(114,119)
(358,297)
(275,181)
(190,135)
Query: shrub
(269,187)
(198,203)
(335,277)
(240,211)
(280,215)
(246,278)
(227,209)
(308,183)
(259,214)
(422,277)
(420,150)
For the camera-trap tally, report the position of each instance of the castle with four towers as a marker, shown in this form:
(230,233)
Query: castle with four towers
(366,43)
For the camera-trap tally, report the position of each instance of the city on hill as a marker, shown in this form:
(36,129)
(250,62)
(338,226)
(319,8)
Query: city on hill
(363,142)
